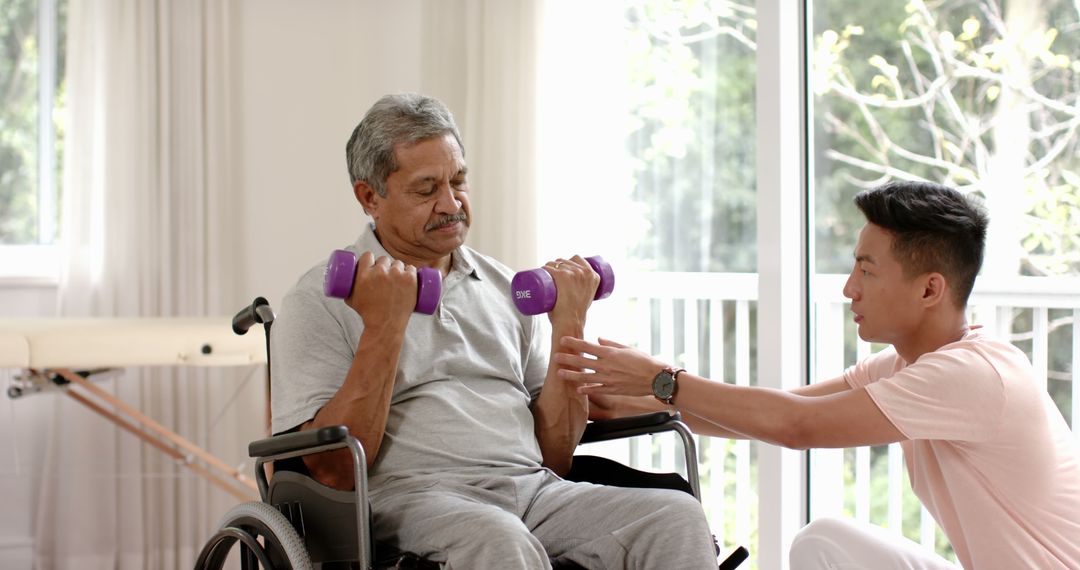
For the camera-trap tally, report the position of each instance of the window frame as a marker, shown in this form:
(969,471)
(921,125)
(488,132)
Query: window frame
(783,306)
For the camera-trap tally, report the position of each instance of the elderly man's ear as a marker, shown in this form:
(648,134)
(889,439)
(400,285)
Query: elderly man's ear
(368,198)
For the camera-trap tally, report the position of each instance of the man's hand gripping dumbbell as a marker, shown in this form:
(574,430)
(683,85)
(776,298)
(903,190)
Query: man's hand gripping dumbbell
(389,286)
(536,291)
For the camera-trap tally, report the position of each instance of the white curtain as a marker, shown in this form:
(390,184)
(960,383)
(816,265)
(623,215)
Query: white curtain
(540,108)
(146,233)
(479,57)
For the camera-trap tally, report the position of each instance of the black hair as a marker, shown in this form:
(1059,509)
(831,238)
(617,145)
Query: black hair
(934,228)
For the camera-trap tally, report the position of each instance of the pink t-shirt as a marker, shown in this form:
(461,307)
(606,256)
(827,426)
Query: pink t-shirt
(988,452)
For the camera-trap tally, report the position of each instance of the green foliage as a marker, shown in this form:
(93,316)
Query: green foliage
(930,90)
(18,121)
(692,74)
(1054,216)
(19,75)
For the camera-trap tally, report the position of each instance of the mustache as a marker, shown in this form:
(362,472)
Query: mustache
(444,220)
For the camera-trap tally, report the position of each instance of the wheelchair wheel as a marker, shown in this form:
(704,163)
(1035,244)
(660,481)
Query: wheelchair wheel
(267,538)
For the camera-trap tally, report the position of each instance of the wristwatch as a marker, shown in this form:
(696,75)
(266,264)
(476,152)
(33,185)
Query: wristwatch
(665,384)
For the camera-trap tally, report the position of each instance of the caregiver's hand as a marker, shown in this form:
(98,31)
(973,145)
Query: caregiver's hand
(608,367)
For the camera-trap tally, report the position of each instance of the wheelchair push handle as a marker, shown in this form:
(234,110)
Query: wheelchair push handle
(735,558)
(258,311)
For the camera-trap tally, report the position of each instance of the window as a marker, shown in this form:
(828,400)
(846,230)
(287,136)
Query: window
(647,127)
(978,95)
(31,136)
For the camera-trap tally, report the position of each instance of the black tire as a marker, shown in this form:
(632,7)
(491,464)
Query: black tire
(281,546)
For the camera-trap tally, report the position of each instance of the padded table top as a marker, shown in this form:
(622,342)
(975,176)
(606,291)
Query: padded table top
(47,343)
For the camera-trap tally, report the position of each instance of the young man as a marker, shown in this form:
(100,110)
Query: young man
(987,451)
(464,424)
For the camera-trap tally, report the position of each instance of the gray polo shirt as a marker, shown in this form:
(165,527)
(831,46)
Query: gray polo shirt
(465,378)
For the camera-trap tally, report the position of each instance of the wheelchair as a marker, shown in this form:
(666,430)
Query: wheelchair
(302,524)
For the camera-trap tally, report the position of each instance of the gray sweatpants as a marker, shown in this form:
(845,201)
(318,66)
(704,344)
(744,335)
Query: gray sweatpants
(519,521)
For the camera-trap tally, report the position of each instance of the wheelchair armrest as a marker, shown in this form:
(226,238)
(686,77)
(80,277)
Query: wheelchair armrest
(306,442)
(296,441)
(605,430)
(645,424)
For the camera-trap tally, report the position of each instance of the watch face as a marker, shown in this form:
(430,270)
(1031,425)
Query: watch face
(663,385)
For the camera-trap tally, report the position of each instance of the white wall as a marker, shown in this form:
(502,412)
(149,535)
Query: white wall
(305,74)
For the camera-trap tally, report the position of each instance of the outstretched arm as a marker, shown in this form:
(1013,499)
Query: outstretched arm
(821,415)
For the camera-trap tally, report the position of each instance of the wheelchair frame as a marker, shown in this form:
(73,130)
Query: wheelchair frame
(282,526)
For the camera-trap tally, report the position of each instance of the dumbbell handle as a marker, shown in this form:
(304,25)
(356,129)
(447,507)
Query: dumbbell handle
(341,274)
(534,290)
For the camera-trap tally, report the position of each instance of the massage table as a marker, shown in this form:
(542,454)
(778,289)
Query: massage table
(62,353)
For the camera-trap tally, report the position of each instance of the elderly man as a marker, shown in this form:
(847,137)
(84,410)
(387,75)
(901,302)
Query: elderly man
(465,423)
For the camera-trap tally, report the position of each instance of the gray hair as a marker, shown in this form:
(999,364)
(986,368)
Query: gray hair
(404,118)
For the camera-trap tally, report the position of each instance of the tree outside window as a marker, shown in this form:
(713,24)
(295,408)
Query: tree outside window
(31,135)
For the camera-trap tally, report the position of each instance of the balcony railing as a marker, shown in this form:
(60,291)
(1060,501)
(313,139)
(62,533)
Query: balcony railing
(706,323)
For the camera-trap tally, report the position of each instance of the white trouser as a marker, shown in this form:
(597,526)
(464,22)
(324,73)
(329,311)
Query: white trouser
(834,544)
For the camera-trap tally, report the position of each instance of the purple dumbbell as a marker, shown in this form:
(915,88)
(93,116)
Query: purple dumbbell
(341,273)
(534,290)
